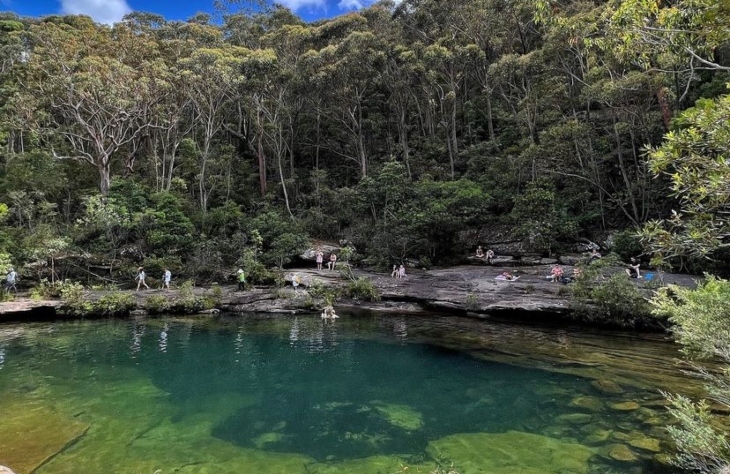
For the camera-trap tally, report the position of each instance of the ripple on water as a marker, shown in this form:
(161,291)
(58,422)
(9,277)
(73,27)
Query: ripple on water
(367,394)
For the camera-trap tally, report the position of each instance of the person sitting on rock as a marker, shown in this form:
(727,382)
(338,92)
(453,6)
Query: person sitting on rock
(489,256)
(480,252)
(401,271)
(333,261)
(633,270)
(556,273)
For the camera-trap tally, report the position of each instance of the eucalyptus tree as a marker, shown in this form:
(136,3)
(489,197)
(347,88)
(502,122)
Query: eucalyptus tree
(13,51)
(90,85)
(348,72)
(447,63)
(210,75)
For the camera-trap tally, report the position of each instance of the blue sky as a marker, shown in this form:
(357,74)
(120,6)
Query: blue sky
(109,11)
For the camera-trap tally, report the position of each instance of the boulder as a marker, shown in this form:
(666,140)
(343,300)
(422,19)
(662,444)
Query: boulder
(311,253)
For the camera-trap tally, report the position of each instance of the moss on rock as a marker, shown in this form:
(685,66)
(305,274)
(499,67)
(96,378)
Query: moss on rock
(510,453)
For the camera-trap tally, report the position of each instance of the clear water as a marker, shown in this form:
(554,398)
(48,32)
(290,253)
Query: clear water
(296,394)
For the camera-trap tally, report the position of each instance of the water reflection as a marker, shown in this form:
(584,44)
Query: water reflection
(162,343)
(138,331)
(364,386)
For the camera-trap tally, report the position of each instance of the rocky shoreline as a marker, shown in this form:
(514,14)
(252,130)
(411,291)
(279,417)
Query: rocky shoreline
(468,290)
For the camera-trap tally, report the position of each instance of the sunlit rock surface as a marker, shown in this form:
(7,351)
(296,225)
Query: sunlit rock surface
(512,452)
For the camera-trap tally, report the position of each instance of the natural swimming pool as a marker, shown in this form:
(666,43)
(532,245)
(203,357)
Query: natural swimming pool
(368,393)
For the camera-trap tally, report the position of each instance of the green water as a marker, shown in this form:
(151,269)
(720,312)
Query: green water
(286,394)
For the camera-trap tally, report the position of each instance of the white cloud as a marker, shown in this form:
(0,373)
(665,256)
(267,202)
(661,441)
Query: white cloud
(350,5)
(295,5)
(102,11)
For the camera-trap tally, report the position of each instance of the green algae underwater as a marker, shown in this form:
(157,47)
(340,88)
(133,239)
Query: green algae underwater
(285,394)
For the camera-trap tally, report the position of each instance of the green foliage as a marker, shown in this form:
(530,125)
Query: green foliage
(610,299)
(188,302)
(702,325)
(167,230)
(695,158)
(327,294)
(362,289)
(472,302)
(74,301)
(5,295)
(700,316)
(46,289)
(701,446)
(626,244)
(256,272)
(157,304)
(540,219)
(116,303)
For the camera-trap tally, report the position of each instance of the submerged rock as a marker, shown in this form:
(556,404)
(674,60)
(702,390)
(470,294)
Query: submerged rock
(625,406)
(607,386)
(598,437)
(575,418)
(587,403)
(620,452)
(513,451)
(401,416)
(32,434)
(646,443)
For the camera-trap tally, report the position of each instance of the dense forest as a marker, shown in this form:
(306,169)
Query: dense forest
(412,130)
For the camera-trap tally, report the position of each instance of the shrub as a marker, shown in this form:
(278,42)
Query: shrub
(46,289)
(5,296)
(626,244)
(216,293)
(614,300)
(472,302)
(362,289)
(702,327)
(116,303)
(74,300)
(157,304)
(320,291)
(188,302)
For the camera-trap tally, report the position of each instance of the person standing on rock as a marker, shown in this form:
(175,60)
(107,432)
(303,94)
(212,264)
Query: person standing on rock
(241,279)
(141,275)
(11,280)
(402,271)
(166,277)
(319,258)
